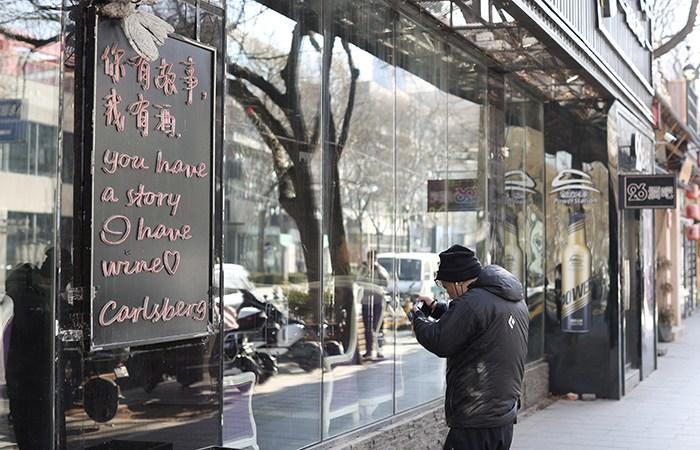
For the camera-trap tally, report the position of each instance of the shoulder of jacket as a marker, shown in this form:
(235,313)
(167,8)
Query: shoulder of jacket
(467,304)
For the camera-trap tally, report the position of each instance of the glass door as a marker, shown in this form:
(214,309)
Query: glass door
(631,292)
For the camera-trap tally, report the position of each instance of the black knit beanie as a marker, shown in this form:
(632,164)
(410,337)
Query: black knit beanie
(458,263)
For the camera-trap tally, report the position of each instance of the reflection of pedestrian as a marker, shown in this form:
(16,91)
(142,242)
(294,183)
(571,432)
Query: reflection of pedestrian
(29,354)
(483,334)
(374,279)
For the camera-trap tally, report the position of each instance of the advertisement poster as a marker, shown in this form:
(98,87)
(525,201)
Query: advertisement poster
(578,214)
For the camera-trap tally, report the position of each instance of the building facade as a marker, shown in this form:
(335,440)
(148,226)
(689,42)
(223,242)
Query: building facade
(323,154)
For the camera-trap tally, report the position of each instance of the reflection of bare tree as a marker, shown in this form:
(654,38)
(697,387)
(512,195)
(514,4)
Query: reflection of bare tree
(421,126)
(36,22)
(278,114)
(181,15)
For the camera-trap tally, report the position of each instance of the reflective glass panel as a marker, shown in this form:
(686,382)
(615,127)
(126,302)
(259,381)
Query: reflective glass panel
(272,222)
(29,134)
(359,217)
(421,221)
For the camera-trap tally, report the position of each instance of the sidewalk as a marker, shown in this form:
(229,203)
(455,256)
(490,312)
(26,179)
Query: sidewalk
(663,412)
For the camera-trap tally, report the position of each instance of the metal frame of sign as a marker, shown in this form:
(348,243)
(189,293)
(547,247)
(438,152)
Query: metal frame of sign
(623,189)
(212,199)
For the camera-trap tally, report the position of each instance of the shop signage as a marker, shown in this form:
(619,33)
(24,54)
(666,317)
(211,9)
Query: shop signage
(152,191)
(518,184)
(10,120)
(454,195)
(647,191)
(574,187)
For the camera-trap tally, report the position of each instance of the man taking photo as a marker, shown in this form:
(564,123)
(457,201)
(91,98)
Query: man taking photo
(483,334)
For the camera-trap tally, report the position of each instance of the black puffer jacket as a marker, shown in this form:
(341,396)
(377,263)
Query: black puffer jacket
(483,335)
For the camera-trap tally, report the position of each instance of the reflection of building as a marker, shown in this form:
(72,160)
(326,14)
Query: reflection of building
(28,151)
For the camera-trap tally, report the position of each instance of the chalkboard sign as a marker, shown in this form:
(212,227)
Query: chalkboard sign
(152,193)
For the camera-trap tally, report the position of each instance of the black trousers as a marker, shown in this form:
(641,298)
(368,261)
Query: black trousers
(371,318)
(479,438)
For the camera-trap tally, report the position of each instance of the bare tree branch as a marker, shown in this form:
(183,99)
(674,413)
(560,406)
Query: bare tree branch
(249,100)
(260,82)
(680,35)
(290,75)
(280,160)
(316,131)
(28,39)
(354,75)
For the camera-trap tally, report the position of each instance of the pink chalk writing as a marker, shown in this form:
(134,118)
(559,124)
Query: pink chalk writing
(108,195)
(166,78)
(112,114)
(143,71)
(166,121)
(140,109)
(162,231)
(116,160)
(111,236)
(141,197)
(178,167)
(191,80)
(112,57)
(169,261)
(166,310)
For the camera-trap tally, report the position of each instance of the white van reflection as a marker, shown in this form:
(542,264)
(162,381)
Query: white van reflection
(411,274)
(414,274)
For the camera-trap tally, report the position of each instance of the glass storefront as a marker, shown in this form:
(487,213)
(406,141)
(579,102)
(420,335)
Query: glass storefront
(342,149)
(354,141)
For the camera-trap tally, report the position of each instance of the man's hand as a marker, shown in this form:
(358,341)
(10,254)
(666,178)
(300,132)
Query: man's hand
(428,301)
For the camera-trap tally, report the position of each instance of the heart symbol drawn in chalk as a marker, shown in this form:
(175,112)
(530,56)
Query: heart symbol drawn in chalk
(171,261)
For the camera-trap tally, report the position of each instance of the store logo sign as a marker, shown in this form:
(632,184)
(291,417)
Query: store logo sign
(454,195)
(574,187)
(518,184)
(648,191)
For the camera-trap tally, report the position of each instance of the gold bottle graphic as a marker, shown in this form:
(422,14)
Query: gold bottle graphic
(513,259)
(576,277)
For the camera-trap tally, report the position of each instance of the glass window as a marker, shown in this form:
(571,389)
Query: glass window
(421,147)
(466,162)
(273,221)
(30,115)
(524,225)
(359,217)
